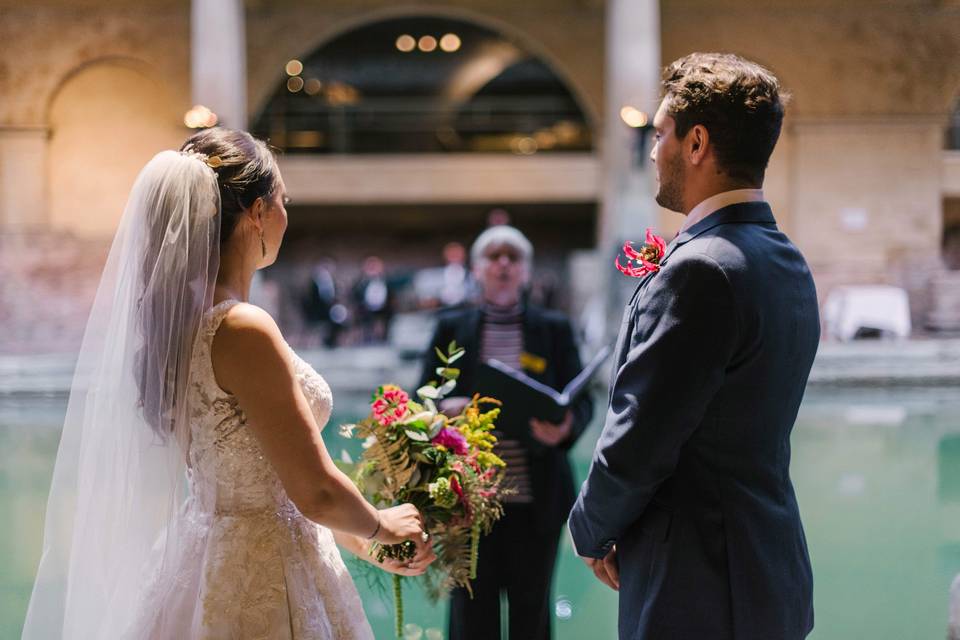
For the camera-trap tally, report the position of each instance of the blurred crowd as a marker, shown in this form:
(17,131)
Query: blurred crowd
(336,304)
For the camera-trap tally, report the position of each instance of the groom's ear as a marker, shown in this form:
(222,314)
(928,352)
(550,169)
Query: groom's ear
(698,141)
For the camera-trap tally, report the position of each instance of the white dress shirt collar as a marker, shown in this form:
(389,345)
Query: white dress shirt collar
(719,201)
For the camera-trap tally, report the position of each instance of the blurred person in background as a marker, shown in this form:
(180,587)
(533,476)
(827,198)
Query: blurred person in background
(373,301)
(497,217)
(446,286)
(456,277)
(324,314)
(518,557)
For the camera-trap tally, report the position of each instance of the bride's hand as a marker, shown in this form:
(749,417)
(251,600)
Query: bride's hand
(399,523)
(413,567)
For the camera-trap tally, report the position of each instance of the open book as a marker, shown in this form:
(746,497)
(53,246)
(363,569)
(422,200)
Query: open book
(521,394)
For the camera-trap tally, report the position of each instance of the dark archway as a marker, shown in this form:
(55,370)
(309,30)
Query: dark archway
(951,205)
(400,86)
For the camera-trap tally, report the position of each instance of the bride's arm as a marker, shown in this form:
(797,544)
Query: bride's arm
(252,361)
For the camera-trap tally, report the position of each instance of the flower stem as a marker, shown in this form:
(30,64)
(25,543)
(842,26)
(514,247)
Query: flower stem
(398,604)
(474,547)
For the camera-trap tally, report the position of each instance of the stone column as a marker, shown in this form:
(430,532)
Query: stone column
(218,59)
(23,172)
(632,79)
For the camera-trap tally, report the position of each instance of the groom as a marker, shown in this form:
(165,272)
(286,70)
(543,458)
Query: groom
(688,509)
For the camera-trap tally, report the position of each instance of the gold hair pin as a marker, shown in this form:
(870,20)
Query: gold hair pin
(214,162)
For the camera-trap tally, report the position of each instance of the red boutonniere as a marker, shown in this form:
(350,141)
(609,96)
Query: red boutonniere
(647,260)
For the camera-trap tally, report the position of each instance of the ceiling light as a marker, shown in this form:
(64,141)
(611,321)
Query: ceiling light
(406,43)
(294,68)
(450,42)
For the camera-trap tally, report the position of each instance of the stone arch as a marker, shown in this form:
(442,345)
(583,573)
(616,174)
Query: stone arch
(591,106)
(106,119)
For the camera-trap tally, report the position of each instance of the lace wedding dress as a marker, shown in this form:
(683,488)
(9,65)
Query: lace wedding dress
(247,563)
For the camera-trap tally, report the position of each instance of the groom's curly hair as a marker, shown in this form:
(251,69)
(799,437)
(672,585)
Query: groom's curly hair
(739,102)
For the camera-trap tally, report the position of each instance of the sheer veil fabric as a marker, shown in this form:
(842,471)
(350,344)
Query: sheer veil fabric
(120,474)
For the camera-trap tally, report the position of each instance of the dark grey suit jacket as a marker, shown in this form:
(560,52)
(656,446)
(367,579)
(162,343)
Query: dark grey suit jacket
(690,477)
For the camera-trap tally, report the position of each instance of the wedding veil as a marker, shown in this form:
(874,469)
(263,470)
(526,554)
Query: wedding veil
(120,473)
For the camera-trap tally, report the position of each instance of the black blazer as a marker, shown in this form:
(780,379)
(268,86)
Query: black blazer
(690,477)
(546,334)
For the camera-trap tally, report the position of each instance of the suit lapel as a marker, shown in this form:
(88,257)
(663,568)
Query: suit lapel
(640,286)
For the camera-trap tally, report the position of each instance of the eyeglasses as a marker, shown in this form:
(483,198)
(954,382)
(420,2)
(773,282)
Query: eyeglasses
(510,254)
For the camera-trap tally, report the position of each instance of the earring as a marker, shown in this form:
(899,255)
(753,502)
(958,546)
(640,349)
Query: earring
(263,246)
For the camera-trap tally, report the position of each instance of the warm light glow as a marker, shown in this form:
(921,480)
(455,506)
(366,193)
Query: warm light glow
(294,84)
(294,68)
(566,131)
(525,145)
(427,44)
(200,117)
(406,43)
(312,87)
(634,117)
(450,42)
(545,139)
(304,139)
(339,93)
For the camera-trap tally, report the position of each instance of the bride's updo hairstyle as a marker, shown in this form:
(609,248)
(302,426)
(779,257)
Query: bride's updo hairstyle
(246,170)
(180,254)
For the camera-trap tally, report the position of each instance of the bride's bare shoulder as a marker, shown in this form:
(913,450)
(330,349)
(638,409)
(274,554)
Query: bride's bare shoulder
(247,336)
(246,318)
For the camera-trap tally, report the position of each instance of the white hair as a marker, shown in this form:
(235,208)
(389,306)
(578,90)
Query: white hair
(500,235)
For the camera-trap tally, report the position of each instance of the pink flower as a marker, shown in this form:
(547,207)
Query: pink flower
(391,406)
(457,489)
(656,242)
(396,396)
(380,406)
(452,440)
(647,259)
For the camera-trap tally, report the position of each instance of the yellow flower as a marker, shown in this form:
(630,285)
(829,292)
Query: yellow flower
(487,459)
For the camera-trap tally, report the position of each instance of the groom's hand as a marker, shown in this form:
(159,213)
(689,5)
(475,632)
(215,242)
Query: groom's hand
(607,570)
(549,433)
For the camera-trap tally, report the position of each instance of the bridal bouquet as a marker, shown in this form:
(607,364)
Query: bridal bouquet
(445,466)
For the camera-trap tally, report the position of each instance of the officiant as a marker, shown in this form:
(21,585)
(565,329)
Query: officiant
(518,557)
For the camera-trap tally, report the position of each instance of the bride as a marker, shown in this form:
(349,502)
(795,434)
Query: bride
(192,495)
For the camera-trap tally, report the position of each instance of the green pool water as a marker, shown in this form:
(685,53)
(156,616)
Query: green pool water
(877,473)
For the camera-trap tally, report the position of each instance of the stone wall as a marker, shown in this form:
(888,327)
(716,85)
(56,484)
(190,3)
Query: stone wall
(48,285)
